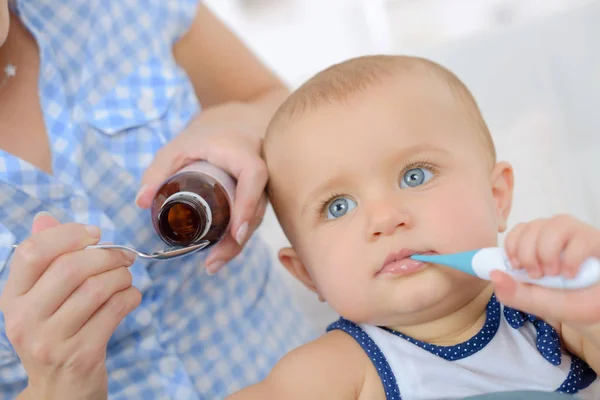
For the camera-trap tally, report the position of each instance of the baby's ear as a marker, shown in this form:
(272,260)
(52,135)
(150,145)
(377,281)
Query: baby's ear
(291,261)
(502,180)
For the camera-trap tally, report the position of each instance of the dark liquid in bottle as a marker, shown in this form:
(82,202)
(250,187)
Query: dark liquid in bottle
(181,221)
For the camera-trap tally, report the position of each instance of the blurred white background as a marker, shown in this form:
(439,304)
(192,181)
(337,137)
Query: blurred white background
(533,66)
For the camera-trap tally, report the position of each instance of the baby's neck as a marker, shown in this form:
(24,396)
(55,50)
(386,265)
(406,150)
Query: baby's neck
(456,327)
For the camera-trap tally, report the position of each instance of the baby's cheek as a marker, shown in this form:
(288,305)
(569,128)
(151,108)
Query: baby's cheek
(333,267)
(340,275)
(465,221)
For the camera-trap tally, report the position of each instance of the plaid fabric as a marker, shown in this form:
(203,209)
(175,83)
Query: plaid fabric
(112,95)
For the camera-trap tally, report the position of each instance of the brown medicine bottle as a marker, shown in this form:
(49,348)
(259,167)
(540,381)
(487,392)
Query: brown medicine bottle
(194,204)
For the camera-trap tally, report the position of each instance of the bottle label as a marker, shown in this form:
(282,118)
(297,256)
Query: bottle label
(218,174)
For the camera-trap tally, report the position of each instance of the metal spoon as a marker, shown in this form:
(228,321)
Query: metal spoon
(166,254)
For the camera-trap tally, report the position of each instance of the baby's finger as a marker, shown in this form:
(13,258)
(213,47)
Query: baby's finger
(511,241)
(550,244)
(526,249)
(577,250)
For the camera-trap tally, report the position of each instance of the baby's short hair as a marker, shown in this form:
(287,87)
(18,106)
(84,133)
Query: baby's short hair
(342,81)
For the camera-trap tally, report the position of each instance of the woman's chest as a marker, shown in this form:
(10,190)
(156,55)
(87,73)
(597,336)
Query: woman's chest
(22,130)
(109,97)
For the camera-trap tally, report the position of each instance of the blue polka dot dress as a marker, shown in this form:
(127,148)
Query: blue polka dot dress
(512,351)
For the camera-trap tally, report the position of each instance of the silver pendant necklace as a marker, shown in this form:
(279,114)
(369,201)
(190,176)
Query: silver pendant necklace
(10,71)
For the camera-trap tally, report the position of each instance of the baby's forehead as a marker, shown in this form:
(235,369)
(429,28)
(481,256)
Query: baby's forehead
(305,114)
(303,120)
(348,81)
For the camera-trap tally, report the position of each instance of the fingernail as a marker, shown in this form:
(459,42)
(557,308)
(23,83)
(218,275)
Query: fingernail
(94,231)
(535,273)
(212,269)
(129,255)
(42,214)
(140,192)
(570,274)
(240,236)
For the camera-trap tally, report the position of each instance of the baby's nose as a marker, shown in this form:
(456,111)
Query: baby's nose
(385,219)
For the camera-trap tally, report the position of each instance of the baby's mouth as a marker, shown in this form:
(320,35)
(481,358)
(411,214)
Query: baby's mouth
(399,263)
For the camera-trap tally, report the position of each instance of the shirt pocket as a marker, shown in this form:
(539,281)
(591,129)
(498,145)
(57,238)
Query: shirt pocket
(141,104)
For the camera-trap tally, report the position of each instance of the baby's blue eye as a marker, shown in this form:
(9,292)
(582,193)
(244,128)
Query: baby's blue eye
(340,207)
(416,177)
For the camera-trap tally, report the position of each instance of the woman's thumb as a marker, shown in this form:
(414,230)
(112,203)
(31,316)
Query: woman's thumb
(42,221)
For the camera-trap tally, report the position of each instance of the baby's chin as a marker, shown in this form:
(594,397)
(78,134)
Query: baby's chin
(417,304)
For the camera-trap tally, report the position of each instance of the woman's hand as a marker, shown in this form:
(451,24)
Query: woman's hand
(61,304)
(230,137)
(237,105)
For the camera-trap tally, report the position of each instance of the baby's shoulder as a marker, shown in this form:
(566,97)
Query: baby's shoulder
(350,359)
(335,366)
(334,351)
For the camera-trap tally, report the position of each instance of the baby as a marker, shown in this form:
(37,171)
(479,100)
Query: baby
(381,157)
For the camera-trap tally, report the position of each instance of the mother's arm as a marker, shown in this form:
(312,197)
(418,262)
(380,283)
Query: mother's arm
(225,72)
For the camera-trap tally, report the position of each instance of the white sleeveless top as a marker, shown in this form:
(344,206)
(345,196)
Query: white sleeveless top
(513,351)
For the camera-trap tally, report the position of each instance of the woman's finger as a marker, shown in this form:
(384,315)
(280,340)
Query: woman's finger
(248,195)
(36,253)
(228,248)
(181,151)
(554,304)
(70,271)
(86,300)
(42,221)
(102,324)
(222,252)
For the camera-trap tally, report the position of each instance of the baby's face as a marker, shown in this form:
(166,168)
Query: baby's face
(396,170)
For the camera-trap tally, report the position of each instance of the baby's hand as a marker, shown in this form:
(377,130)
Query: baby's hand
(549,247)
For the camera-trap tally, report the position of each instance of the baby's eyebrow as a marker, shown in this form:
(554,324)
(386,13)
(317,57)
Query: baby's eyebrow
(417,149)
(322,187)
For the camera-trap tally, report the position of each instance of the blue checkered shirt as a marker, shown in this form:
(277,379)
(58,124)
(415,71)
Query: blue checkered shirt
(112,95)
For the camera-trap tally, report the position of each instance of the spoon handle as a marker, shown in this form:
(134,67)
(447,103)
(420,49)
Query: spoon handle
(159,255)
(109,246)
(120,247)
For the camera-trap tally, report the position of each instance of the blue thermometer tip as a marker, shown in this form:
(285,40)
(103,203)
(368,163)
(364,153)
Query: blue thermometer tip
(459,261)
